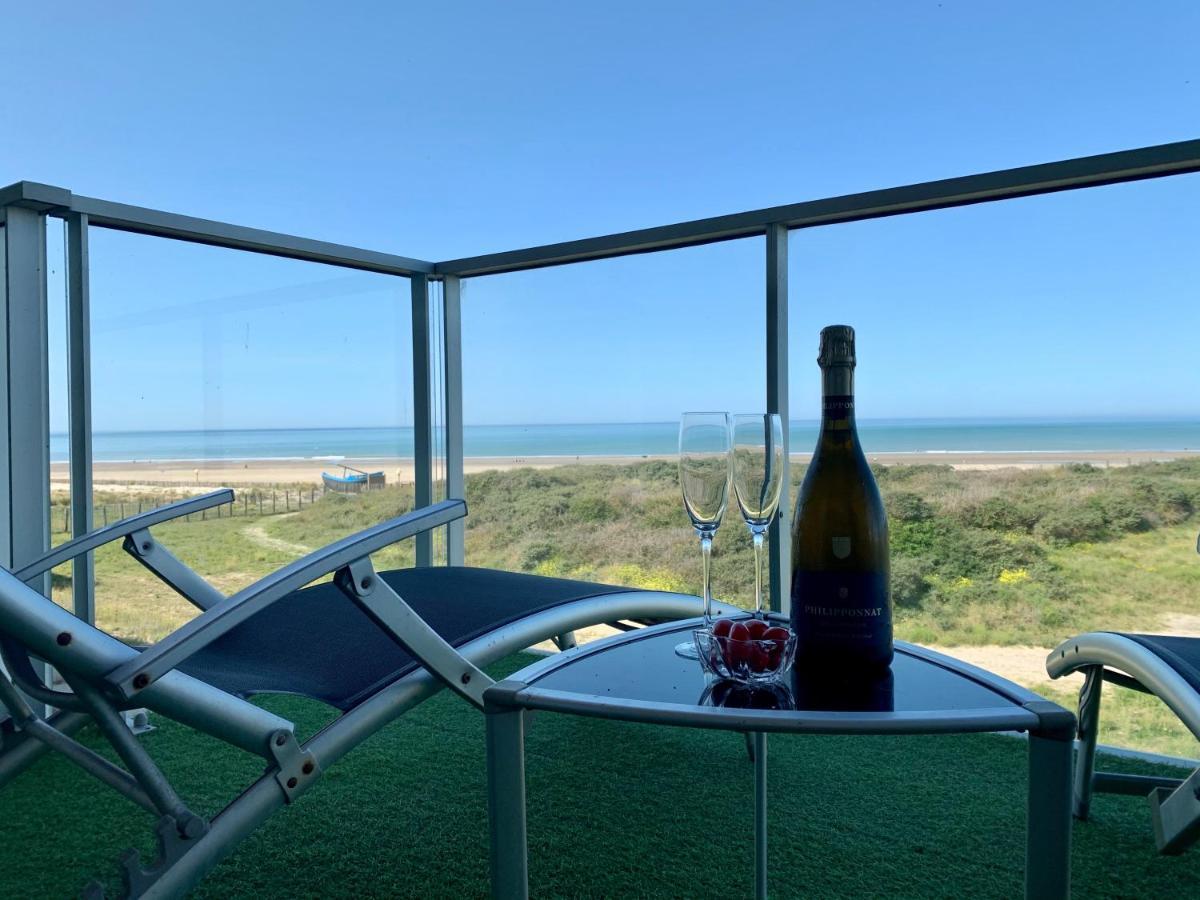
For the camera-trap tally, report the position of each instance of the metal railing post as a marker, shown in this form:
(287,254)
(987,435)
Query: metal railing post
(780,560)
(455,485)
(422,411)
(25,396)
(79,401)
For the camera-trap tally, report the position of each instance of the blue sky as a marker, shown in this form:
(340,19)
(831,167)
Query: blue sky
(443,130)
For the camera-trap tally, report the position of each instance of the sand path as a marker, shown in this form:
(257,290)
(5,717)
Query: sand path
(1027,665)
(258,535)
(1024,665)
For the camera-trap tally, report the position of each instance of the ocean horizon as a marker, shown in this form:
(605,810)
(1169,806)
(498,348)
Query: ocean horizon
(932,436)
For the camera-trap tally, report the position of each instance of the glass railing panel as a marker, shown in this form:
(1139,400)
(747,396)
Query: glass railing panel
(574,381)
(288,381)
(1025,369)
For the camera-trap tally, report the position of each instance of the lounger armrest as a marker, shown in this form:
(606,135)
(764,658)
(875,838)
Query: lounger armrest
(101,536)
(168,653)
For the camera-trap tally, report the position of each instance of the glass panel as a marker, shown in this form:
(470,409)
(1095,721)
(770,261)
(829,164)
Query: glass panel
(1023,369)
(290,382)
(574,381)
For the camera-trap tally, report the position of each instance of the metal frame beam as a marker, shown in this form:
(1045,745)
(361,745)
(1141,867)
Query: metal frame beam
(779,536)
(79,403)
(1088,171)
(422,412)
(123,217)
(25,416)
(35,196)
(24,398)
(455,481)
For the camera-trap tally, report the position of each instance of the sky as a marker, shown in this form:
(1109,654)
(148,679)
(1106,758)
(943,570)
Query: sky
(444,130)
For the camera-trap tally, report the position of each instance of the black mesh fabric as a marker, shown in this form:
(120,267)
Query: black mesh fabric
(318,644)
(1181,653)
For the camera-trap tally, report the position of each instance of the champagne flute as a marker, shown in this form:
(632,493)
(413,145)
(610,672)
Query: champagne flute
(757,480)
(704,478)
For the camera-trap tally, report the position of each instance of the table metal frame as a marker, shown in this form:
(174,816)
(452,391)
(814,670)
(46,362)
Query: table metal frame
(1050,729)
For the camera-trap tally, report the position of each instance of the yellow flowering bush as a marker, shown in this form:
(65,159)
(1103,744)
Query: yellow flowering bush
(1013,576)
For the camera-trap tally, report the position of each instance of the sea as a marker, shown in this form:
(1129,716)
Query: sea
(931,436)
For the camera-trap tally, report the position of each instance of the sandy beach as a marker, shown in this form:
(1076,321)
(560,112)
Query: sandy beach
(208,473)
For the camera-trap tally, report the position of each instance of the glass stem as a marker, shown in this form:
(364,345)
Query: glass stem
(758,542)
(706,555)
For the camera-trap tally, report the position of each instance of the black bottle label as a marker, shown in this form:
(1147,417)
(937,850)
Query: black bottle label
(836,613)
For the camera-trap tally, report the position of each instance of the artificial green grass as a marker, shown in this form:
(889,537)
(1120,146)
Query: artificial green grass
(614,810)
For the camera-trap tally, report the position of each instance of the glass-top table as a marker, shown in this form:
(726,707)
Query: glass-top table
(636,676)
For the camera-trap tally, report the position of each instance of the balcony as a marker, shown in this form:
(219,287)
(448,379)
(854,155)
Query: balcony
(148,347)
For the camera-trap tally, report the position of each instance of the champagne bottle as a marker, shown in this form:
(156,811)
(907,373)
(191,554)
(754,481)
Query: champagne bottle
(841,596)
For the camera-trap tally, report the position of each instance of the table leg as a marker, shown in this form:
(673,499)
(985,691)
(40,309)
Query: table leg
(1048,828)
(506,803)
(1089,728)
(760,816)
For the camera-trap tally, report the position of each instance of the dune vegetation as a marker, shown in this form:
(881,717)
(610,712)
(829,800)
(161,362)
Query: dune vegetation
(1006,557)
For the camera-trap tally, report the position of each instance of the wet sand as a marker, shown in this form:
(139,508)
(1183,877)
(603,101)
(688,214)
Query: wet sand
(207,473)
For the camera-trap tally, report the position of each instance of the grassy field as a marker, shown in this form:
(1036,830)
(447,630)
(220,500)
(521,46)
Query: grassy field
(1006,557)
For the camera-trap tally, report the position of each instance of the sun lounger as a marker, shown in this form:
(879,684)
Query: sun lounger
(372,644)
(1167,667)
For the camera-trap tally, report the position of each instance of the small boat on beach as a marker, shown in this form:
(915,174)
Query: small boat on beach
(352,480)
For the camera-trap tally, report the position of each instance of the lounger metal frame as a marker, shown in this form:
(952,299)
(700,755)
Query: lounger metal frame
(106,676)
(1104,656)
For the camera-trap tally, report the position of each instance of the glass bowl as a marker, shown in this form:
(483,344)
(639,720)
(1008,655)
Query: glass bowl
(744,661)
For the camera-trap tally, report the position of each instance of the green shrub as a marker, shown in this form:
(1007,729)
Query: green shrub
(909,584)
(1176,504)
(1123,512)
(919,538)
(591,508)
(951,551)
(664,511)
(905,506)
(535,554)
(657,471)
(1003,513)
(1073,524)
